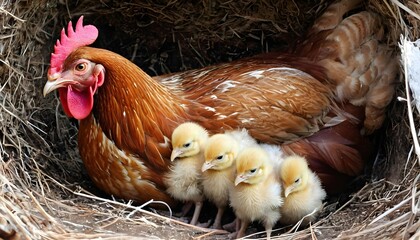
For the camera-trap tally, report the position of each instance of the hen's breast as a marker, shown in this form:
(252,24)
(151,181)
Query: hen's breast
(115,171)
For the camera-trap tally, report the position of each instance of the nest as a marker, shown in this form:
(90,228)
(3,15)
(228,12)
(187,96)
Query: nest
(45,192)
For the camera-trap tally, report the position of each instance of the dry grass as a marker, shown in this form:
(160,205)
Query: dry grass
(44,191)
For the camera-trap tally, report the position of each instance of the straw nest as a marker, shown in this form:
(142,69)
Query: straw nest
(44,190)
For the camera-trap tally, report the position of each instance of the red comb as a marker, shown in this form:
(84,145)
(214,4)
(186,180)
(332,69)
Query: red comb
(83,36)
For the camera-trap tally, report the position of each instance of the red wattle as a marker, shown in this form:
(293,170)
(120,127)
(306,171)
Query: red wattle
(79,104)
(62,92)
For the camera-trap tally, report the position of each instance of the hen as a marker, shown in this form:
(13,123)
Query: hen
(314,101)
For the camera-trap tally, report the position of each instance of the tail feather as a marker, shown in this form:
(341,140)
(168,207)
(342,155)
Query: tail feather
(382,91)
(361,69)
(350,47)
(333,15)
(350,35)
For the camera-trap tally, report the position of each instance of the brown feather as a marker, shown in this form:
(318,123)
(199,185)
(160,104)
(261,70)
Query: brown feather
(355,60)
(336,153)
(115,171)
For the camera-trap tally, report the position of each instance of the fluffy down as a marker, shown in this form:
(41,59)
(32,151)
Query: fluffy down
(219,167)
(257,193)
(184,181)
(303,193)
(275,155)
(184,178)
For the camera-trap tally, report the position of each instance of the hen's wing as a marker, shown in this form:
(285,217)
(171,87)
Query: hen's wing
(336,153)
(274,101)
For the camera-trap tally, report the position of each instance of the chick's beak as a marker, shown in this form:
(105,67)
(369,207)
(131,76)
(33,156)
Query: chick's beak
(206,166)
(287,191)
(176,152)
(240,178)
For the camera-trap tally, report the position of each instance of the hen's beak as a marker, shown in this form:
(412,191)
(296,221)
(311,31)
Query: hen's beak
(55,82)
(239,179)
(287,191)
(206,166)
(176,152)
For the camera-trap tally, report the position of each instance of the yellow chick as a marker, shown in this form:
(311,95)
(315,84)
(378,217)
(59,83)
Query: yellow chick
(303,192)
(184,179)
(257,193)
(219,168)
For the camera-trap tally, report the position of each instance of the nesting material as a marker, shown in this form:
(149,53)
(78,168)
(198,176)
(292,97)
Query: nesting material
(45,192)
(410,60)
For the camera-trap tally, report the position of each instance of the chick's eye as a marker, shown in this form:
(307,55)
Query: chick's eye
(253,170)
(80,67)
(186,145)
(297,180)
(219,157)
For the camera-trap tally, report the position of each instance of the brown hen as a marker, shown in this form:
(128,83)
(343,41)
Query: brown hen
(314,101)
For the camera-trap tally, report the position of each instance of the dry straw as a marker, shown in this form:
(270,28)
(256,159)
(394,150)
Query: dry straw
(42,195)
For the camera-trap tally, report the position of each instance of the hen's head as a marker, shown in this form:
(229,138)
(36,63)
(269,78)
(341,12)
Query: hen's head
(252,166)
(188,139)
(220,152)
(76,79)
(294,174)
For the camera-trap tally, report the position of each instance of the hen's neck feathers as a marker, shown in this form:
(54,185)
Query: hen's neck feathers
(127,97)
(125,79)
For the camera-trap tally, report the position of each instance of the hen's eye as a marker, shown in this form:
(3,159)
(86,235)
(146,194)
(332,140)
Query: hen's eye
(80,67)
(253,170)
(186,145)
(219,157)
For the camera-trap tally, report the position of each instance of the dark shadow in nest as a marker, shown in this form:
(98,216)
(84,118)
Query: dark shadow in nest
(160,52)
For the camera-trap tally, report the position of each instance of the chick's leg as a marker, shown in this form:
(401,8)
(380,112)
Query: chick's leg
(237,223)
(197,210)
(232,226)
(185,209)
(242,230)
(270,221)
(218,220)
(268,229)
